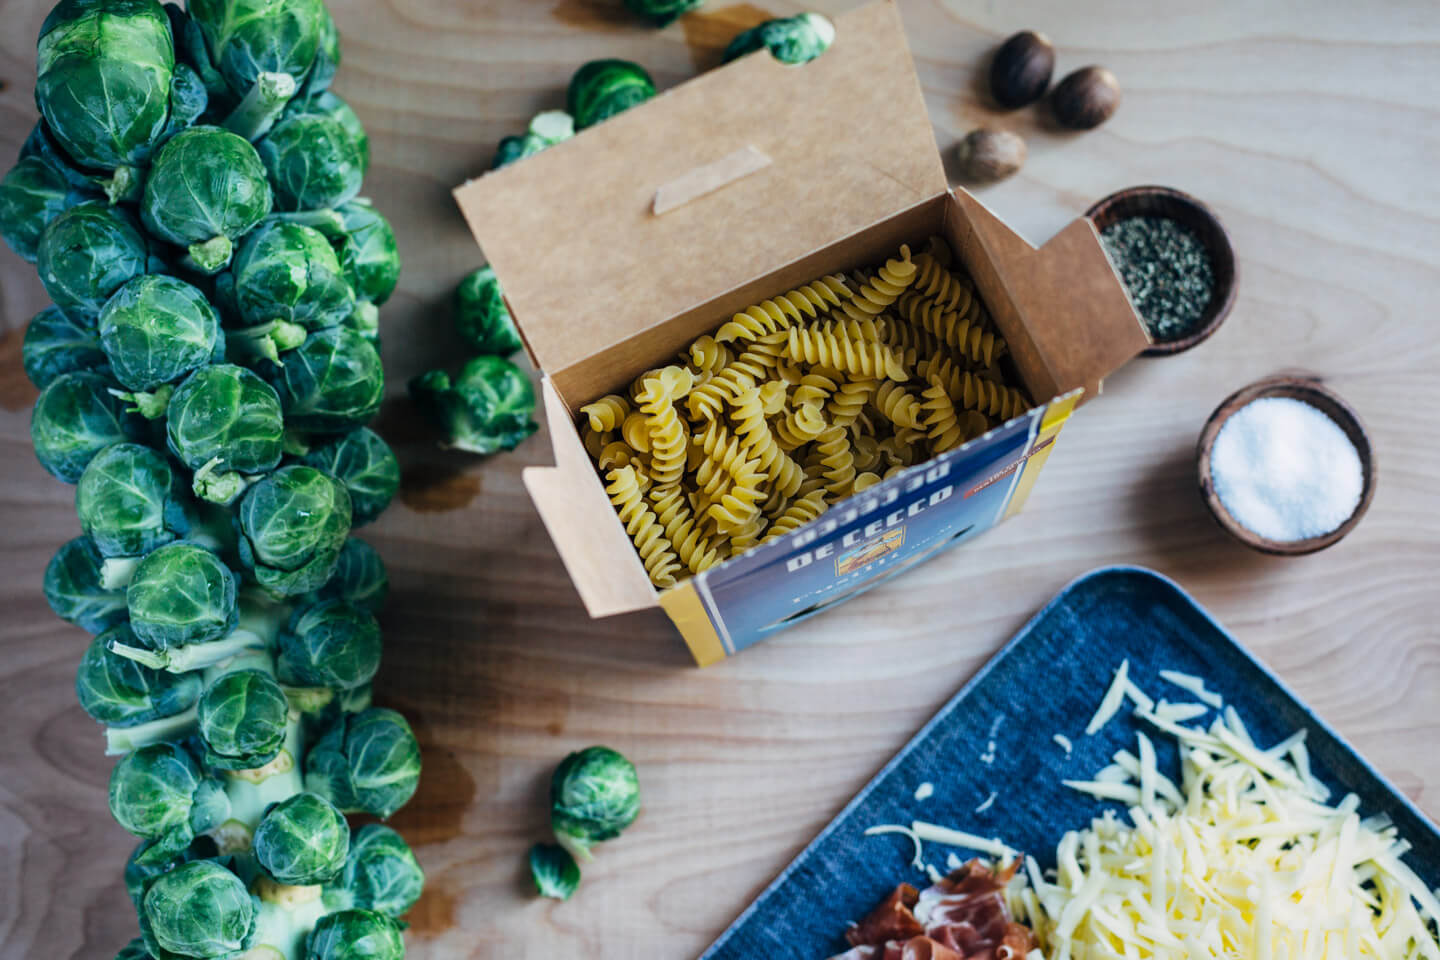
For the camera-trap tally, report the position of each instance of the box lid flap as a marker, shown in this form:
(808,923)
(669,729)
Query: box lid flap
(586,261)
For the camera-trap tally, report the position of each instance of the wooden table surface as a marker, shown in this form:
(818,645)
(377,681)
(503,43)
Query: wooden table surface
(1311,128)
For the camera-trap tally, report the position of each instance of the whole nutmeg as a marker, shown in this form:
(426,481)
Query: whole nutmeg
(989,155)
(1020,72)
(1086,98)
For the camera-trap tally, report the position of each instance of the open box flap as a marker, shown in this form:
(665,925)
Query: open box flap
(584,259)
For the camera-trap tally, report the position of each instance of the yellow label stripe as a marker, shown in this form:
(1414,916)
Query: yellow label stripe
(683,605)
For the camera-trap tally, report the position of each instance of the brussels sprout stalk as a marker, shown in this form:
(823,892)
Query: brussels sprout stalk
(262,106)
(267,340)
(150,404)
(287,915)
(124,185)
(195,656)
(117,572)
(209,256)
(219,486)
(121,740)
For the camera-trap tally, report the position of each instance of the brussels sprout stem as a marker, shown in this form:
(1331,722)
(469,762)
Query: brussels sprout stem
(117,572)
(196,656)
(267,340)
(150,405)
(287,915)
(121,740)
(308,700)
(252,791)
(124,185)
(262,106)
(328,222)
(209,257)
(219,486)
(575,847)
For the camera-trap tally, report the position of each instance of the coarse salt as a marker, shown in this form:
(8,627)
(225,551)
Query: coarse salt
(1285,470)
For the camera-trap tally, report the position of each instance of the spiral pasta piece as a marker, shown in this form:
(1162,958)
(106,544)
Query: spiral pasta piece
(958,331)
(939,285)
(944,425)
(668,435)
(898,405)
(748,411)
(707,357)
(800,512)
(913,343)
(897,452)
(643,526)
(834,346)
(800,426)
(848,403)
(814,388)
(833,447)
(672,510)
(725,455)
(750,368)
(864,481)
(866,450)
(607,413)
(772,397)
(747,536)
(879,291)
(740,504)
(616,453)
(807,302)
(635,431)
(594,441)
(976,392)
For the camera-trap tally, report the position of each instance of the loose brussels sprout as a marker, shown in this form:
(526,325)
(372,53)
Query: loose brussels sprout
(366,465)
(594,795)
(119,692)
(242,717)
(381,873)
(355,935)
(292,525)
(32,194)
(206,189)
(287,280)
(487,408)
(360,578)
(366,248)
(75,418)
(87,253)
(331,383)
(302,841)
(103,87)
(795,39)
(511,149)
(198,911)
(74,590)
(481,317)
(155,330)
(602,88)
(55,344)
(224,423)
(546,130)
(181,595)
(159,793)
(330,644)
(316,154)
(129,501)
(555,873)
(245,38)
(662,12)
(139,870)
(366,762)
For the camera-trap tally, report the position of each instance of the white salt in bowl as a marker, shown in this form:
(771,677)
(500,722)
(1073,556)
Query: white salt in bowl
(1309,391)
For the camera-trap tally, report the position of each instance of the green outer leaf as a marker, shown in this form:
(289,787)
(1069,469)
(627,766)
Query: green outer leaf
(32,194)
(364,462)
(481,317)
(129,502)
(315,155)
(74,591)
(302,841)
(360,578)
(485,410)
(292,525)
(287,271)
(55,344)
(367,251)
(87,253)
(119,692)
(205,182)
(75,418)
(198,910)
(355,935)
(331,383)
(511,149)
(602,88)
(247,37)
(330,644)
(152,791)
(181,595)
(555,873)
(366,762)
(225,413)
(242,717)
(157,329)
(381,873)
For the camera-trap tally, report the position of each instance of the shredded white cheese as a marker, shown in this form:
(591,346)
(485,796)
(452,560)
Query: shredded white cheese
(1194,684)
(934,833)
(918,861)
(987,803)
(1110,703)
(1064,742)
(925,791)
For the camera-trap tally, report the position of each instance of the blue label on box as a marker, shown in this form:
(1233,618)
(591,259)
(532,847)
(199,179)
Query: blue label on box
(869,537)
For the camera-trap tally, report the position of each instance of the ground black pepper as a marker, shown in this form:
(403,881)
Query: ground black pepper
(1167,270)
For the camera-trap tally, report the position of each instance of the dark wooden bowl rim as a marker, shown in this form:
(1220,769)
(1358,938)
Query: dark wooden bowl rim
(1309,390)
(1154,200)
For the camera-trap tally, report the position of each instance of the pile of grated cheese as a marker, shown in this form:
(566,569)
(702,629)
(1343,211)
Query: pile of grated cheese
(1245,858)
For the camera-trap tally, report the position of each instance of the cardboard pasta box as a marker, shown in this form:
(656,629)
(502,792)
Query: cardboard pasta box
(618,248)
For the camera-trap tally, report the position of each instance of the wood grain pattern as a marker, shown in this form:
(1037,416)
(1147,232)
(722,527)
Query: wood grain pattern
(1310,127)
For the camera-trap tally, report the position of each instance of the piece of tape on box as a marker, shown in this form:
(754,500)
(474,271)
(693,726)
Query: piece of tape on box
(709,178)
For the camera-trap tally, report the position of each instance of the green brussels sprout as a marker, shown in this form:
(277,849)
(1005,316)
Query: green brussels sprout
(41,145)
(316,154)
(32,194)
(119,692)
(159,793)
(75,418)
(366,248)
(360,578)
(129,501)
(303,840)
(481,317)
(242,717)
(331,383)
(327,57)
(286,280)
(198,911)
(244,38)
(355,935)
(189,99)
(206,189)
(366,465)
(292,525)
(555,873)
(134,950)
(181,595)
(546,129)
(190,50)
(662,12)
(103,79)
(594,795)
(485,410)
(87,253)
(797,39)
(154,331)
(75,591)
(381,873)
(140,870)
(366,762)
(602,88)
(330,644)
(224,423)
(55,344)
(511,149)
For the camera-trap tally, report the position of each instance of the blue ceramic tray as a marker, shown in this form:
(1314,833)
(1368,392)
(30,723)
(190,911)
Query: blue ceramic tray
(996,734)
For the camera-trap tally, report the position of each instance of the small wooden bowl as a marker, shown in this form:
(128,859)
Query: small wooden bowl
(1307,390)
(1152,201)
